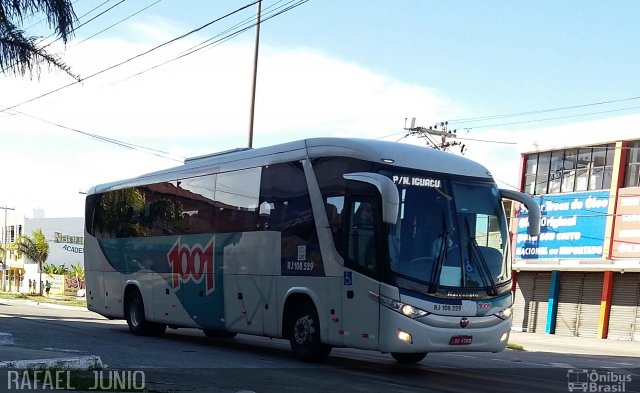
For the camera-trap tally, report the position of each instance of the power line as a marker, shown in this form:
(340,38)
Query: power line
(117,23)
(87,22)
(132,146)
(126,145)
(212,42)
(493,117)
(101,13)
(250,19)
(45,18)
(553,118)
(486,140)
(131,58)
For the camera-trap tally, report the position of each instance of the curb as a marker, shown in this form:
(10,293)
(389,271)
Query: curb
(77,363)
(6,339)
(55,306)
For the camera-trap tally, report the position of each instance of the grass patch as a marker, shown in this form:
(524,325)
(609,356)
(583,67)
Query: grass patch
(515,347)
(53,299)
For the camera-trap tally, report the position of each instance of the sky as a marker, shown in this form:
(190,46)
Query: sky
(509,77)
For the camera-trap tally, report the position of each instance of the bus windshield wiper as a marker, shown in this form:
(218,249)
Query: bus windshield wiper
(442,256)
(485,272)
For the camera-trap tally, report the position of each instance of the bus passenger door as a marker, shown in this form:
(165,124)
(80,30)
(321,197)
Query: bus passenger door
(249,263)
(361,310)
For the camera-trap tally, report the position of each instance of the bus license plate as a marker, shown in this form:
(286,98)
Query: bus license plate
(460,340)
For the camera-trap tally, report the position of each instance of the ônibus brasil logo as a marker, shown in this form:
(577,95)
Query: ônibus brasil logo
(192,263)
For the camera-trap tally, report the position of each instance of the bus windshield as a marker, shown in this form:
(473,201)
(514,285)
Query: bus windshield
(450,235)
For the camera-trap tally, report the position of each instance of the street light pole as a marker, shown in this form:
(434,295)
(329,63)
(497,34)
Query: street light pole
(4,246)
(255,74)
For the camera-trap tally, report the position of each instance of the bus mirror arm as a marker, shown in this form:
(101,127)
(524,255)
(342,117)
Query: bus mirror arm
(387,189)
(530,204)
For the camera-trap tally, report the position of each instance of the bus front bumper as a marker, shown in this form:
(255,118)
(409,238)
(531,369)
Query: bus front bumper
(438,333)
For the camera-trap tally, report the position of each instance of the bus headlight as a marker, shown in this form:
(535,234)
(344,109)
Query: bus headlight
(504,314)
(402,308)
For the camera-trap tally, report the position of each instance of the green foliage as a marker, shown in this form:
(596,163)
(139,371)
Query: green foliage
(135,212)
(34,248)
(22,54)
(117,213)
(53,269)
(48,268)
(77,271)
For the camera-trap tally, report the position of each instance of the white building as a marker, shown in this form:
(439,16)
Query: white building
(66,247)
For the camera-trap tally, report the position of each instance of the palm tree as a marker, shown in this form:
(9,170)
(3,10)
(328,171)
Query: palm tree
(20,54)
(35,249)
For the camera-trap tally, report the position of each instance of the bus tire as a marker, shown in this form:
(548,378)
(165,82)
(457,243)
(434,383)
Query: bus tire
(211,333)
(305,335)
(407,358)
(136,320)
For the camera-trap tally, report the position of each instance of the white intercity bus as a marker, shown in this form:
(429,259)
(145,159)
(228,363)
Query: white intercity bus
(325,242)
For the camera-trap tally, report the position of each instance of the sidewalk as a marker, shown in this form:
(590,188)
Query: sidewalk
(542,342)
(22,358)
(17,357)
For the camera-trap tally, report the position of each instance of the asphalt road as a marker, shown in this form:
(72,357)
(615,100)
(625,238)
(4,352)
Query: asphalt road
(186,361)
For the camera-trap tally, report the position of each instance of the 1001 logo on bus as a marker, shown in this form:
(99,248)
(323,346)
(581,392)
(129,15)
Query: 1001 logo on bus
(192,263)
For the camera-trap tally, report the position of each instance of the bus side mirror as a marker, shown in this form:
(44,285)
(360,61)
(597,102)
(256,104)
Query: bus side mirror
(530,204)
(387,189)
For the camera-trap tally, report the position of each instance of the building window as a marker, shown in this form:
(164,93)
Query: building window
(632,178)
(542,175)
(555,174)
(583,164)
(530,174)
(601,167)
(570,170)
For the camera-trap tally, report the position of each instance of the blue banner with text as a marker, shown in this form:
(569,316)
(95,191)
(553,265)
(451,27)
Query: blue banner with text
(572,226)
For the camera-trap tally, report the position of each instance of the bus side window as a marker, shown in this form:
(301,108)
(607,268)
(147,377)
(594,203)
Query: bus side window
(285,207)
(361,244)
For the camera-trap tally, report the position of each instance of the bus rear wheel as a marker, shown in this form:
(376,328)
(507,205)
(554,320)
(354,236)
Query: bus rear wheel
(407,358)
(136,320)
(305,335)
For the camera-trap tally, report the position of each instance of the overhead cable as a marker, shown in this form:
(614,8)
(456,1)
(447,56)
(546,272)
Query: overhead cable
(126,145)
(130,59)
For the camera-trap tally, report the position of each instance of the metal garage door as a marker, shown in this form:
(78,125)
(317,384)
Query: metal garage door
(623,319)
(579,304)
(521,300)
(568,300)
(589,308)
(537,320)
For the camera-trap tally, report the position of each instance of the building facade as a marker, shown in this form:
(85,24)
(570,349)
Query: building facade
(65,237)
(12,268)
(581,275)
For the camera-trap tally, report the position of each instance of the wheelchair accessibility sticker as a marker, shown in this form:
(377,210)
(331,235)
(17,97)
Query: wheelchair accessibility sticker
(348,278)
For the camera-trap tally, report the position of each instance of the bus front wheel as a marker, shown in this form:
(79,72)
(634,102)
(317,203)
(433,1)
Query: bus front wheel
(406,358)
(305,335)
(136,319)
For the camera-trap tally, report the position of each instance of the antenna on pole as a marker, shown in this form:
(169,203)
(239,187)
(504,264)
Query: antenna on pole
(255,74)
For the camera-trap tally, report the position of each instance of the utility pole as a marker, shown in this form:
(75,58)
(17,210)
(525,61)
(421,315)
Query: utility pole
(443,133)
(4,246)
(255,74)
